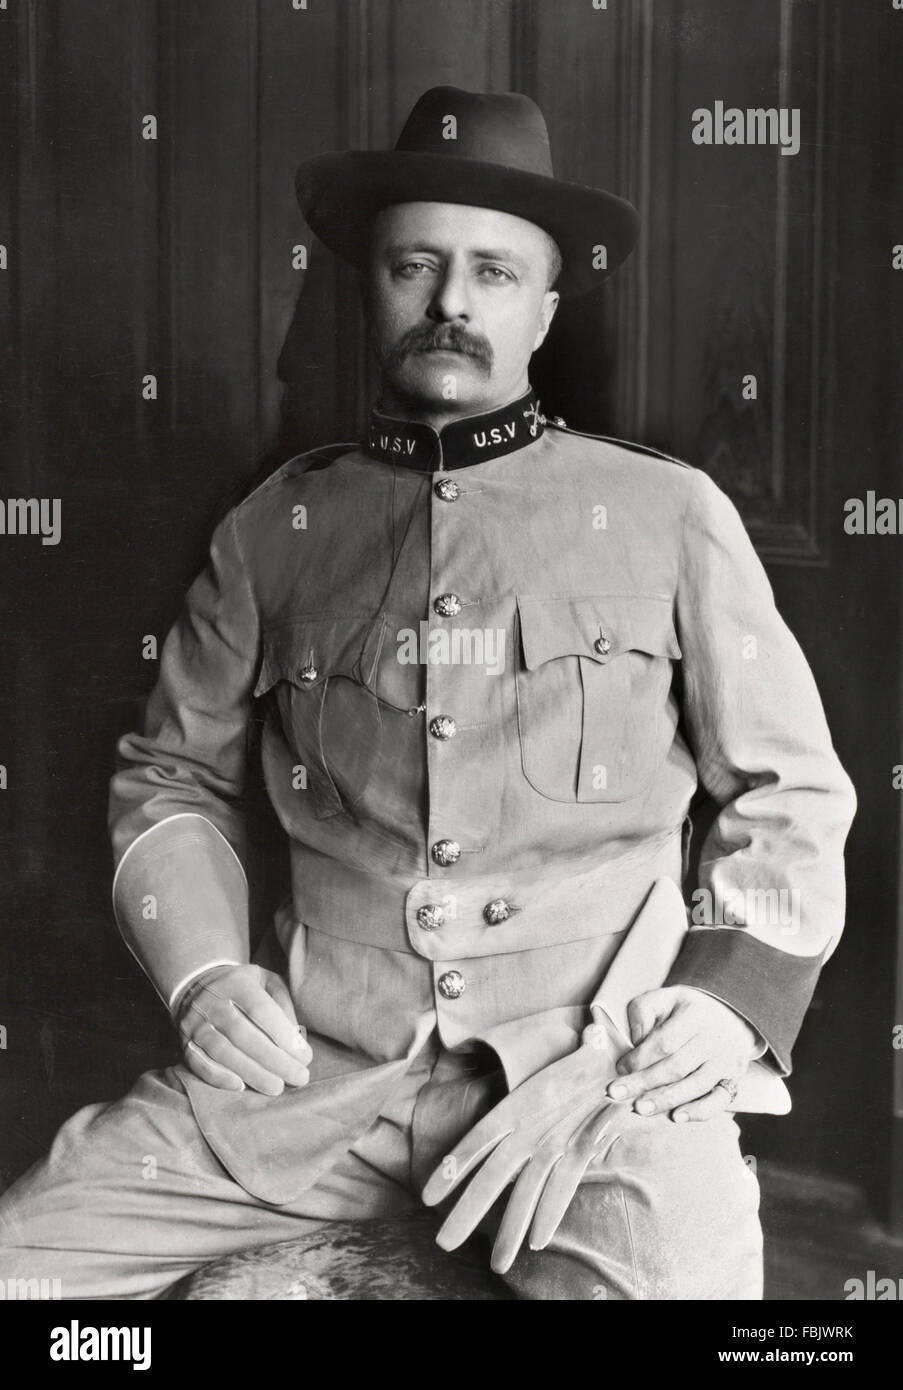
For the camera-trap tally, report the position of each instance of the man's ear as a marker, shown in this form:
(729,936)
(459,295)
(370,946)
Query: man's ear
(546,315)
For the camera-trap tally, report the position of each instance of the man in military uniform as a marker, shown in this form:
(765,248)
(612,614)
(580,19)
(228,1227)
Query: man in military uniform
(495,663)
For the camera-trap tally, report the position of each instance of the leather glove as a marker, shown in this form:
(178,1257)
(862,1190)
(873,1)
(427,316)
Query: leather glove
(547,1131)
(542,1136)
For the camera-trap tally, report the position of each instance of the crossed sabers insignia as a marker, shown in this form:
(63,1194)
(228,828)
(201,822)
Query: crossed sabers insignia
(537,419)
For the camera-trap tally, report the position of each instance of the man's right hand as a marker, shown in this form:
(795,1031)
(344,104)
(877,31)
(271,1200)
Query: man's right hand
(238,1029)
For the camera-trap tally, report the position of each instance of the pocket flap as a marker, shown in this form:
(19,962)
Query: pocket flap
(600,627)
(306,651)
(276,1147)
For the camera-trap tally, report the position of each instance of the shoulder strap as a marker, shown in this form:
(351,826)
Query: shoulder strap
(636,448)
(320,457)
(324,454)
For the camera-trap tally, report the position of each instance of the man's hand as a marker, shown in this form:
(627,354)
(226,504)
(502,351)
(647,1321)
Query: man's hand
(684,1043)
(238,1029)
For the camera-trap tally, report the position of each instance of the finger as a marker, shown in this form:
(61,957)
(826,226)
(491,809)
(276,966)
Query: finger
(708,1107)
(558,1193)
(279,992)
(646,1010)
(224,1005)
(557,1196)
(454,1168)
(664,1073)
(519,1212)
(484,1189)
(524,1157)
(219,1049)
(500,1124)
(664,1098)
(211,1072)
(248,1038)
(269,1017)
(664,1040)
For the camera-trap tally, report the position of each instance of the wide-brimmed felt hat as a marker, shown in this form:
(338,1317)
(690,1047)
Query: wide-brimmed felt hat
(478,149)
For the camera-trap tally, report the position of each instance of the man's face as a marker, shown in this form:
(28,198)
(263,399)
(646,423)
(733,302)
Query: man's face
(457,303)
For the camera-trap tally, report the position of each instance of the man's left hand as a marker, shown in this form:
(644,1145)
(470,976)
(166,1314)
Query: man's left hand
(684,1043)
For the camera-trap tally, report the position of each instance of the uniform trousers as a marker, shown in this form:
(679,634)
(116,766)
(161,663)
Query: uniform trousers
(130,1198)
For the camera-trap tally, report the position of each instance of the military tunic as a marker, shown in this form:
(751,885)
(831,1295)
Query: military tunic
(494,662)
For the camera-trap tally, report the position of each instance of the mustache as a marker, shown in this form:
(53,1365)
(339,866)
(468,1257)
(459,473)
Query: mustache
(450,337)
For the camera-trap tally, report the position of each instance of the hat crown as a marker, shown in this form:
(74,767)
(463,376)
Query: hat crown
(504,128)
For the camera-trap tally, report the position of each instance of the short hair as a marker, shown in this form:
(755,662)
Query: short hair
(554,255)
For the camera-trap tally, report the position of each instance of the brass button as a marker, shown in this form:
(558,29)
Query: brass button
(447,489)
(602,645)
(430,917)
(496,911)
(448,605)
(557,420)
(443,726)
(309,673)
(446,852)
(451,984)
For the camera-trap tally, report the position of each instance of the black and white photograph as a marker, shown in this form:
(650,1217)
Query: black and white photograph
(451,707)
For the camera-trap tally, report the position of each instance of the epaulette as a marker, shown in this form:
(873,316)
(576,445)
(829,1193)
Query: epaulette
(557,423)
(321,457)
(270,470)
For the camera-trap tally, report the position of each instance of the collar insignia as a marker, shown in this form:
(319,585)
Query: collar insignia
(461,443)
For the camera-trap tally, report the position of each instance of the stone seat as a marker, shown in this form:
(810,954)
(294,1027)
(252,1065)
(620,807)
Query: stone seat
(359,1261)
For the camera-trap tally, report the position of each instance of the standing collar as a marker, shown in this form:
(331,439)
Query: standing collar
(458,444)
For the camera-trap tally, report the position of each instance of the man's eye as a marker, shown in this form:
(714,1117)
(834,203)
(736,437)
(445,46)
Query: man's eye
(495,272)
(411,269)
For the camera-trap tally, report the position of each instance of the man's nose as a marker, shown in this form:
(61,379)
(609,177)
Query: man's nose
(451,298)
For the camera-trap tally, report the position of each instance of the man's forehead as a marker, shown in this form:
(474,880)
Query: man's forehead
(457,221)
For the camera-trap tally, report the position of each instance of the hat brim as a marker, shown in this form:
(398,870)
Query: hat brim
(340,194)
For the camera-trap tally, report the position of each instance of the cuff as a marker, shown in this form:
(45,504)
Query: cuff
(181,902)
(176,995)
(771,989)
(760,1046)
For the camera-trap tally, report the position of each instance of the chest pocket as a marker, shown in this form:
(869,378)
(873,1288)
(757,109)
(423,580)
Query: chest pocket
(595,716)
(321,673)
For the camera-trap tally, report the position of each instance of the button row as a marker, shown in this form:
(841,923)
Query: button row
(431,916)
